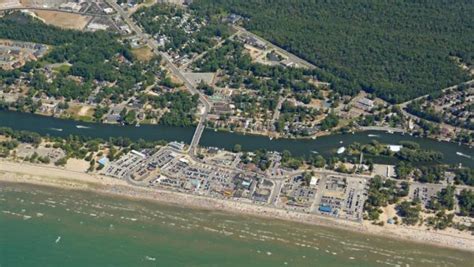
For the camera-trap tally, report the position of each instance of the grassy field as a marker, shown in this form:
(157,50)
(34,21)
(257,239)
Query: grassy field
(143,53)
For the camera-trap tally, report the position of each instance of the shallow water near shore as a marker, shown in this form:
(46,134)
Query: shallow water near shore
(42,226)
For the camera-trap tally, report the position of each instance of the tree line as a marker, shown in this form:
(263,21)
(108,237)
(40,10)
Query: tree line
(397,50)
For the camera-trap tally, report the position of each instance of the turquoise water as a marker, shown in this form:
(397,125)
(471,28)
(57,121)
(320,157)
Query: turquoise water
(41,226)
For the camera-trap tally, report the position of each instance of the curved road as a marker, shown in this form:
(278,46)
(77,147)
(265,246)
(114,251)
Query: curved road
(175,70)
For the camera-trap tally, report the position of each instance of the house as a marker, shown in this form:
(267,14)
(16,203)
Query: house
(365,104)
(326,209)
(272,56)
(177,145)
(250,40)
(233,18)
(71,6)
(49,107)
(287,63)
(125,29)
(113,118)
(221,108)
(141,116)
(108,10)
(103,161)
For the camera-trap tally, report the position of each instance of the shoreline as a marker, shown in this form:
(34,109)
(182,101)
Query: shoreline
(256,134)
(11,172)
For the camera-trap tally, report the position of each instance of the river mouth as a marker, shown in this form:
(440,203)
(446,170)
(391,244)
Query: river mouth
(325,146)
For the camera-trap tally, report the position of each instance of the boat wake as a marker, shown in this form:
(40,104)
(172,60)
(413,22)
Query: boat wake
(463,155)
(82,127)
(148,258)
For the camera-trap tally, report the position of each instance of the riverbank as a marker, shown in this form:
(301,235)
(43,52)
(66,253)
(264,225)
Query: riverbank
(65,179)
(325,146)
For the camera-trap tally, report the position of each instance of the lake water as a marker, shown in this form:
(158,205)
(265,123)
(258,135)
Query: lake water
(41,226)
(325,146)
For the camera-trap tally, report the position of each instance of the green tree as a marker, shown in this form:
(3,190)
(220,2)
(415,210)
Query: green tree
(466,203)
(237,148)
(61,161)
(410,212)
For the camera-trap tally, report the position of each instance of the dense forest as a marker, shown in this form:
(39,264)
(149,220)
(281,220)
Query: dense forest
(395,49)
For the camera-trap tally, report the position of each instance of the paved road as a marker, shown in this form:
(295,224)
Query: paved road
(292,57)
(207,106)
(404,104)
(276,114)
(196,58)
(319,195)
(416,118)
(125,16)
(174,69)
(275,192)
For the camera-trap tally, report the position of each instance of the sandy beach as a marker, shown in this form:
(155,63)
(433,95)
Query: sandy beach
(74,180)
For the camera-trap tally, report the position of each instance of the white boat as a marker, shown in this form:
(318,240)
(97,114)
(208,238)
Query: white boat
(373,135)
(341,150)
(340,142)
(58,239)
(463,155)
(56,129)
(137,125)
(390,131)
(82,127)
(314,152)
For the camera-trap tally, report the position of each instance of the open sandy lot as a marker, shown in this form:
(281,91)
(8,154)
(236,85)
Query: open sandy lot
(145,3)
(6,4)
(85,111)
(80,112)
(63,19)
(41,3)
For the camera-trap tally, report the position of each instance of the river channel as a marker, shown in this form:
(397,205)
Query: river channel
(325,146)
